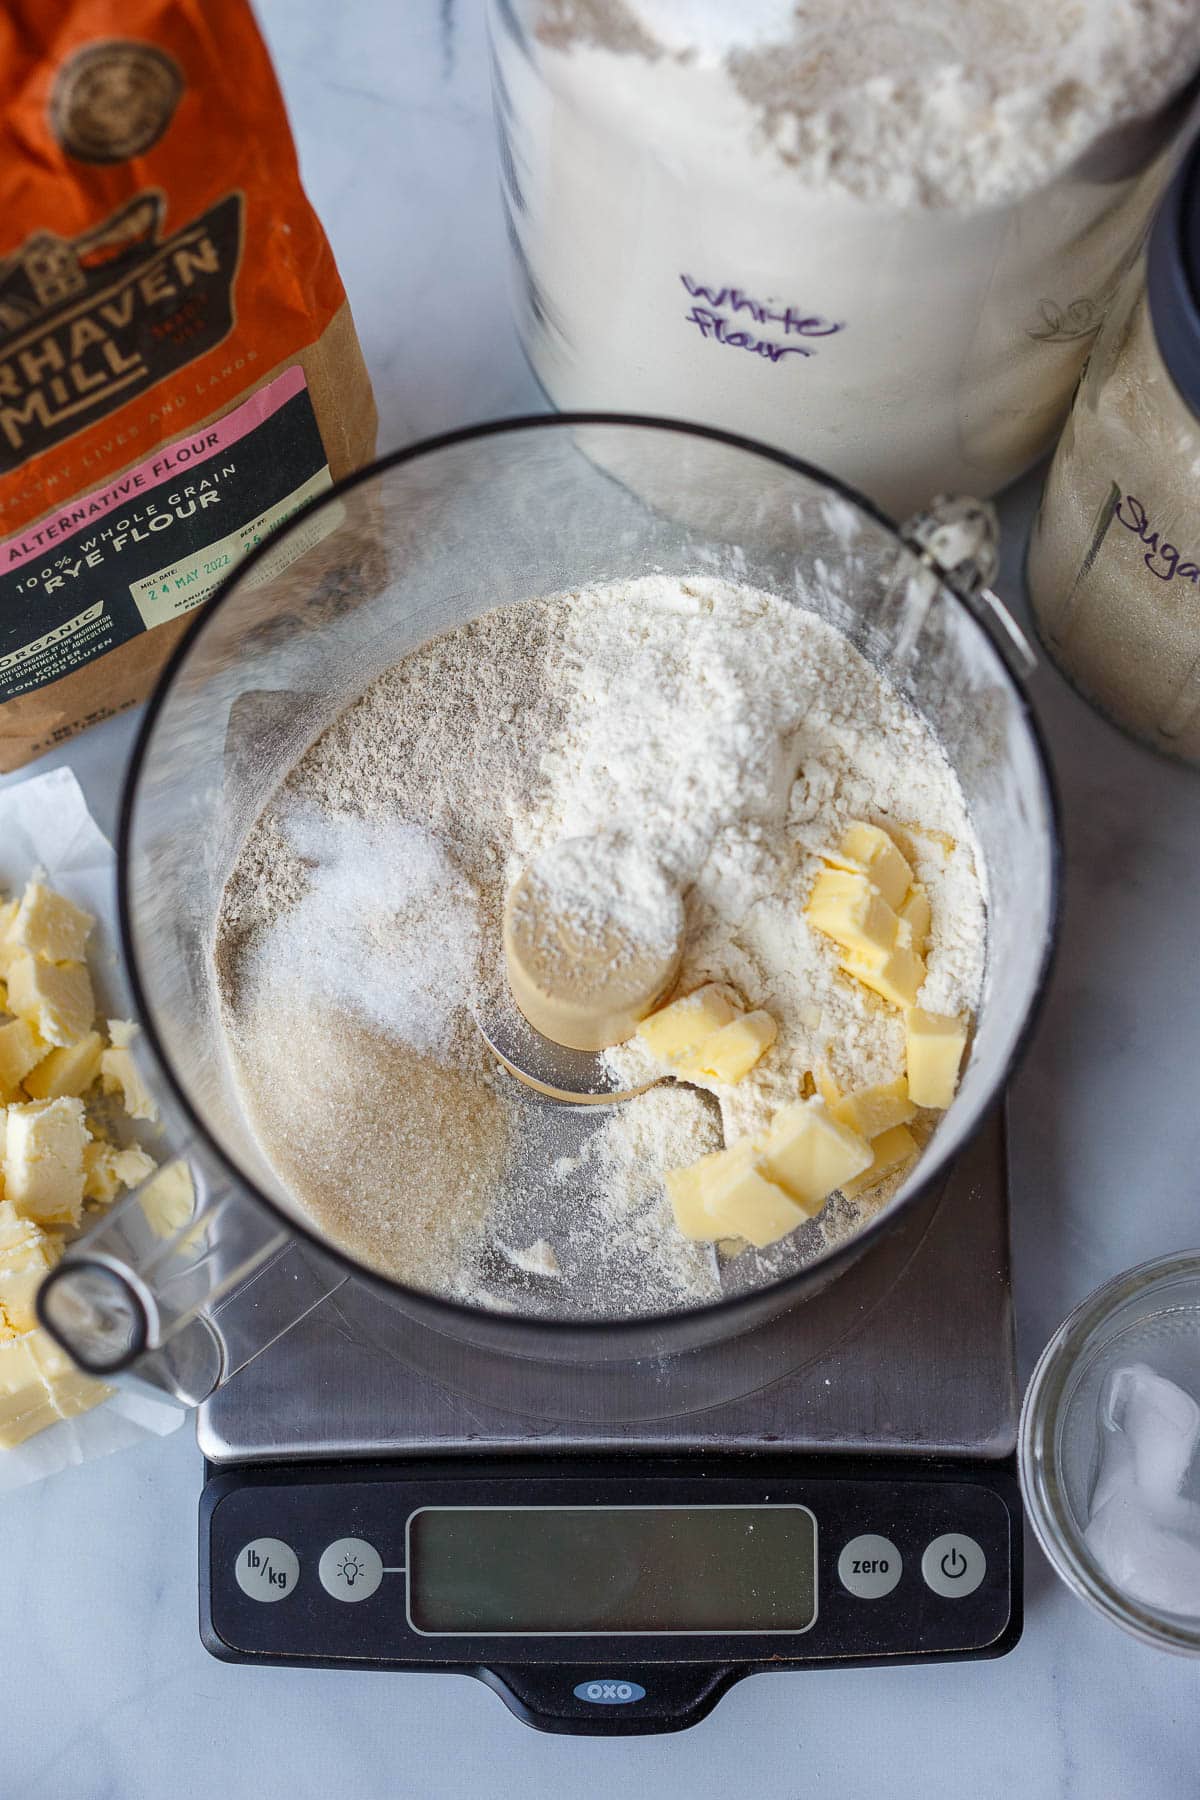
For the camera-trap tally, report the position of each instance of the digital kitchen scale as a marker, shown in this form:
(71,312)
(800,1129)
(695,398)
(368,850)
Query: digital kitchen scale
(610,1548)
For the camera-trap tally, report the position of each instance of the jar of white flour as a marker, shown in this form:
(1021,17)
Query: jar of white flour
(1114,562)
(880,235)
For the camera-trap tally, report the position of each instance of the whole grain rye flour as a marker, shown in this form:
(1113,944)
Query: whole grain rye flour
(179,371)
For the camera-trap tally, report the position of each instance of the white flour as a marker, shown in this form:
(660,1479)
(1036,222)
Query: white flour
(719,735)
(731,739)
(606,890)
(868,233)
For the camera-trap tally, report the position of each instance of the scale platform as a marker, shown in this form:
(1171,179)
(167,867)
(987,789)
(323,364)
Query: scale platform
(611,1546)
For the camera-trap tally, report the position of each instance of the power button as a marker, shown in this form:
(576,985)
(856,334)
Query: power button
(953,1565)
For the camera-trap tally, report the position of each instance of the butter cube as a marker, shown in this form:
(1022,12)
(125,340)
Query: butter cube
(107,1169)
(686,1189)
(874,1110)
(121,1075)
(16,1233)
(917,914)
(935,1050)
(897,978)
(684,1025)
(25,1404)
(39,1385)
(903,835)
(20,1049)
(47,925)
(54,998)
(169,1200)
(811,1153)
(26,1253)
(852,911)
(743,1201)
(891,1148)
(731,1052)
(43,1160)
(8,950)
(70,1391)
(868,847)
(70,1070)
(18,1289)
(826,1086)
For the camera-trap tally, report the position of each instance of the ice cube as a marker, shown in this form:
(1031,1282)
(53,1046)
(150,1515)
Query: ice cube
(1147,1560)
(1159,1421)
(1142,1532)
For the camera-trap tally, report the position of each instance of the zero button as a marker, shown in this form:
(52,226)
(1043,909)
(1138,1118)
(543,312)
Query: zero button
(870,1566)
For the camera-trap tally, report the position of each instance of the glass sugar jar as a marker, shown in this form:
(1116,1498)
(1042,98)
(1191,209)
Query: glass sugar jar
(1114,562)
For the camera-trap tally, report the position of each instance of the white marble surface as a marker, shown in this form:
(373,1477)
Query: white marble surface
(107,1692)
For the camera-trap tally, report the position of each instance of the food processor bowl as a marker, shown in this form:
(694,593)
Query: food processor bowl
(412,547)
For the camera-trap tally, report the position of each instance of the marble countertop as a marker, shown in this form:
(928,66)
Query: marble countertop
(108,1694)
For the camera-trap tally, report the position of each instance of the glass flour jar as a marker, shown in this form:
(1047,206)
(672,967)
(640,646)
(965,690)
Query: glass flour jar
(879,236)
(1114,562)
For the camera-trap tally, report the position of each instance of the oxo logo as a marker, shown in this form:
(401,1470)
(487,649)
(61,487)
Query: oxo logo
(609,1693)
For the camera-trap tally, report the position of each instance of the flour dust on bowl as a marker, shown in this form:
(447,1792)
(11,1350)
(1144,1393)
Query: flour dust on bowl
(670,689)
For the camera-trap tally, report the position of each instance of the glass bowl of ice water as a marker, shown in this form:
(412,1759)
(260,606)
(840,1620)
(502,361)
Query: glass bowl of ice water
(1110,1451)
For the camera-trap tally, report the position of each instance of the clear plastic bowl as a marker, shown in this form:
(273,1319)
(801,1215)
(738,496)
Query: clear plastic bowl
(1149,1314)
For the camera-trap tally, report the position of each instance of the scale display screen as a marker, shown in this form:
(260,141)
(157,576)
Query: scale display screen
(583,1570)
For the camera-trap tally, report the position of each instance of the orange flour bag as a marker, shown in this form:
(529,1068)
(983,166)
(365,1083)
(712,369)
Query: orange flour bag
(179,371)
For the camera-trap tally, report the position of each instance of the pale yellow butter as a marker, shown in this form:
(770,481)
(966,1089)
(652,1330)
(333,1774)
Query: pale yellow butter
(69,1070)
(742,1200)
(38,1386)
(71,1392)
(685,1190)
(826,1086)
(25,1404)
(851,910)
(897,978)
(8,950)
(917,914)
(935,1050)
(26,1253)
(731,1052)
(43,1160)
(108,1170)
(48,925)
(891,1148)
(874,1110)
(169,1199)
(685,1024)
(869,848)
(121,1075)
(54,998)
(811,1153)
(20,1050)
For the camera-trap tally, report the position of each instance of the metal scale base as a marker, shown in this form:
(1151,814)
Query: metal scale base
(590,1541)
